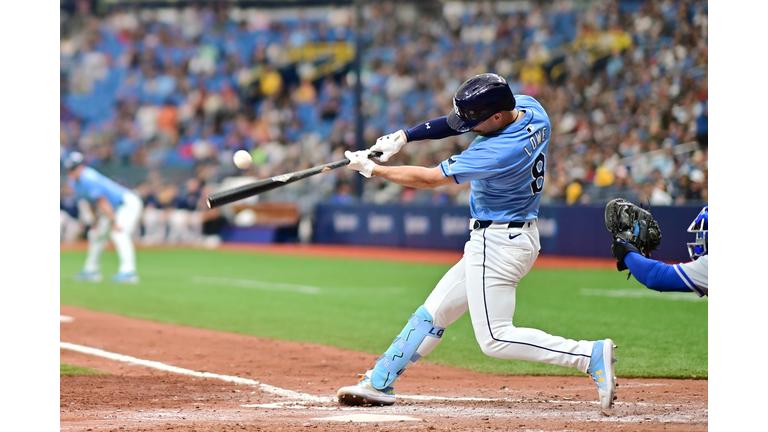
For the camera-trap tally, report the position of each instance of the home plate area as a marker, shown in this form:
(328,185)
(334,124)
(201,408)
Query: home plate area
(360,418)
(163,377)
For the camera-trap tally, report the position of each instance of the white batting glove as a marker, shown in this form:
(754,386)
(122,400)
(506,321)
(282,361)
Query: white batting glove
(389,144)
(359,161)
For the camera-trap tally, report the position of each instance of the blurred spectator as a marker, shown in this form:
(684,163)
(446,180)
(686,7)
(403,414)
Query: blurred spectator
(574,192)
(330,100)
(659,194)
(343,193)
(153,220)
(167,119)
(625,85)
(305,93)
(184,216)
(270,82)
(685,190)
(73,221)
(212,221)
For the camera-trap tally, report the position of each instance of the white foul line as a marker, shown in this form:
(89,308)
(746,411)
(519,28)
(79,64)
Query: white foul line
(297,397)
(253,284)
(640,293)
(168,368)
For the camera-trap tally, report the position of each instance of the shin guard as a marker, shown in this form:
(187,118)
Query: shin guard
(403,349)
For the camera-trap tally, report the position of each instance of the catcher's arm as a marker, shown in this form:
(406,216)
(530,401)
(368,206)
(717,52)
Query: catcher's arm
(655,274)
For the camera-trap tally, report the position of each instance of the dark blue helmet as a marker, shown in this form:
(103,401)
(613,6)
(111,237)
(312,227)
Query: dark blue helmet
(478,99)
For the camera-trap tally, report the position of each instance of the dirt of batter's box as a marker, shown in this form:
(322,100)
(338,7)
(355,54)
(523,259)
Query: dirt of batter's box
(431,397)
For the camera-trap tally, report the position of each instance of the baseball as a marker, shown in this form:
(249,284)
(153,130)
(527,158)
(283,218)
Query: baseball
(242,159)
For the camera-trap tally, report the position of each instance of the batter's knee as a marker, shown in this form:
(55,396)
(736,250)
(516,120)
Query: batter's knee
(491,347)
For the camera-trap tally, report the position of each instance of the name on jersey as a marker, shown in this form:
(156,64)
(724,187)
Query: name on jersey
(536,139)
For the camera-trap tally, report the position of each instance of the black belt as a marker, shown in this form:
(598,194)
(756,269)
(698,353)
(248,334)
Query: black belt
(485,224)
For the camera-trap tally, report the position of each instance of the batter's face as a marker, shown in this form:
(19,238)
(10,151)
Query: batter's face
(489,127)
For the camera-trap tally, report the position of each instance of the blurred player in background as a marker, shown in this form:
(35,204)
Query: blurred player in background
(118,209)
(505,164)
(685,277)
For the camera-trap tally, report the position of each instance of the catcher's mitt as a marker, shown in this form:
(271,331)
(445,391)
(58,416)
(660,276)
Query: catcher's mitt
(633,224)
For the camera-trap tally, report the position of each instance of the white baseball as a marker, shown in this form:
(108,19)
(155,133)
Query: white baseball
(243,159)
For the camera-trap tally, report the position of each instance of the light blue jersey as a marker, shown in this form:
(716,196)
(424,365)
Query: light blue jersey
(92,185)
(506,170)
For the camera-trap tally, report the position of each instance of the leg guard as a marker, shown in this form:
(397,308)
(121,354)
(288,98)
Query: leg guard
(403,350)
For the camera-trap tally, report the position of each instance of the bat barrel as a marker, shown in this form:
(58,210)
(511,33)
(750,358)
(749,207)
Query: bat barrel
(229,196)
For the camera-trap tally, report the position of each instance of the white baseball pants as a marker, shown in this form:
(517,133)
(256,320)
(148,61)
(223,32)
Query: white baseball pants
(484,282)
(127,217)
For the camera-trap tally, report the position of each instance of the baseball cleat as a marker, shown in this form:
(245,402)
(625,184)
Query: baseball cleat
(125,278)
(601,371)
(364,393)
(85,276)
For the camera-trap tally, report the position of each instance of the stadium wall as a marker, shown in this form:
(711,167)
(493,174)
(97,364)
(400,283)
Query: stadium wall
(565,230)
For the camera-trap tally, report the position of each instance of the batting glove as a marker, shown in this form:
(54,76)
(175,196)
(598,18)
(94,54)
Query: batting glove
(389,144)
(359,161)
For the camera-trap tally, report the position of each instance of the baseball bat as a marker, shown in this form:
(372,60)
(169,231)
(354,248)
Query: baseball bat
(228,196)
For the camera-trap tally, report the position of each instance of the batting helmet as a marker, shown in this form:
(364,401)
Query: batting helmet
(73,160)
(478,99)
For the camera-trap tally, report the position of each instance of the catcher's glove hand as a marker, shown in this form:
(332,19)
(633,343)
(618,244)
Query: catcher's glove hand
(632,224)
(619,250)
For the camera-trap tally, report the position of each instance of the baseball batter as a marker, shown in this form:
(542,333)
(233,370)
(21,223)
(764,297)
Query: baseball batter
(683,277)
(119,213)
(505,166)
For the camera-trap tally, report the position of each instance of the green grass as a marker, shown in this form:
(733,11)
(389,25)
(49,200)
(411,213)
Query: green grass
(363,305)
(68,370)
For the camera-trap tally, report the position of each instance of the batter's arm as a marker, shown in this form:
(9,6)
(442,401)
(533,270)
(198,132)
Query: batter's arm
(413,176)
(431,130)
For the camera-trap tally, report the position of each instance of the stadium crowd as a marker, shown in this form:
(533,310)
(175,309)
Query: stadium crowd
(624,83)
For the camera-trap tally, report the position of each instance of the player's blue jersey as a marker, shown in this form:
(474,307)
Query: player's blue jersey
(506,170)
(92,185)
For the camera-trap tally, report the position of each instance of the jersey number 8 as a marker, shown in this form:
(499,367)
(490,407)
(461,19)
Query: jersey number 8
(537,172)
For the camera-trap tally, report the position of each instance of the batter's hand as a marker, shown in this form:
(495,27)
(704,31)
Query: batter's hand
(389,144)
(359,161)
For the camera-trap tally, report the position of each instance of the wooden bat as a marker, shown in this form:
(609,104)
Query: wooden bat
(228,196)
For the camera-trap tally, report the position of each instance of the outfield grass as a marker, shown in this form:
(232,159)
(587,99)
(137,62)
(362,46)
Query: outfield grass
(68,369)
(363,305)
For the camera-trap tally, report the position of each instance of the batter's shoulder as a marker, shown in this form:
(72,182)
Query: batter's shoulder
(525,100)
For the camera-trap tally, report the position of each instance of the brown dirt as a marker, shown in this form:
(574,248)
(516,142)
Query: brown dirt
(139,398)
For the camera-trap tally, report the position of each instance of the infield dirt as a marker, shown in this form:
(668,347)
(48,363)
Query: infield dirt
(139,398)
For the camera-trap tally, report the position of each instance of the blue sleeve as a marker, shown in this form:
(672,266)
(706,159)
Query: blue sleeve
(474,163)
(654,274)
(431,130)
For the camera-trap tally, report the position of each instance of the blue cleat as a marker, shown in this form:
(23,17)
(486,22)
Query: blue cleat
(601,371)
(364,393)
(125,277)
(85,276)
